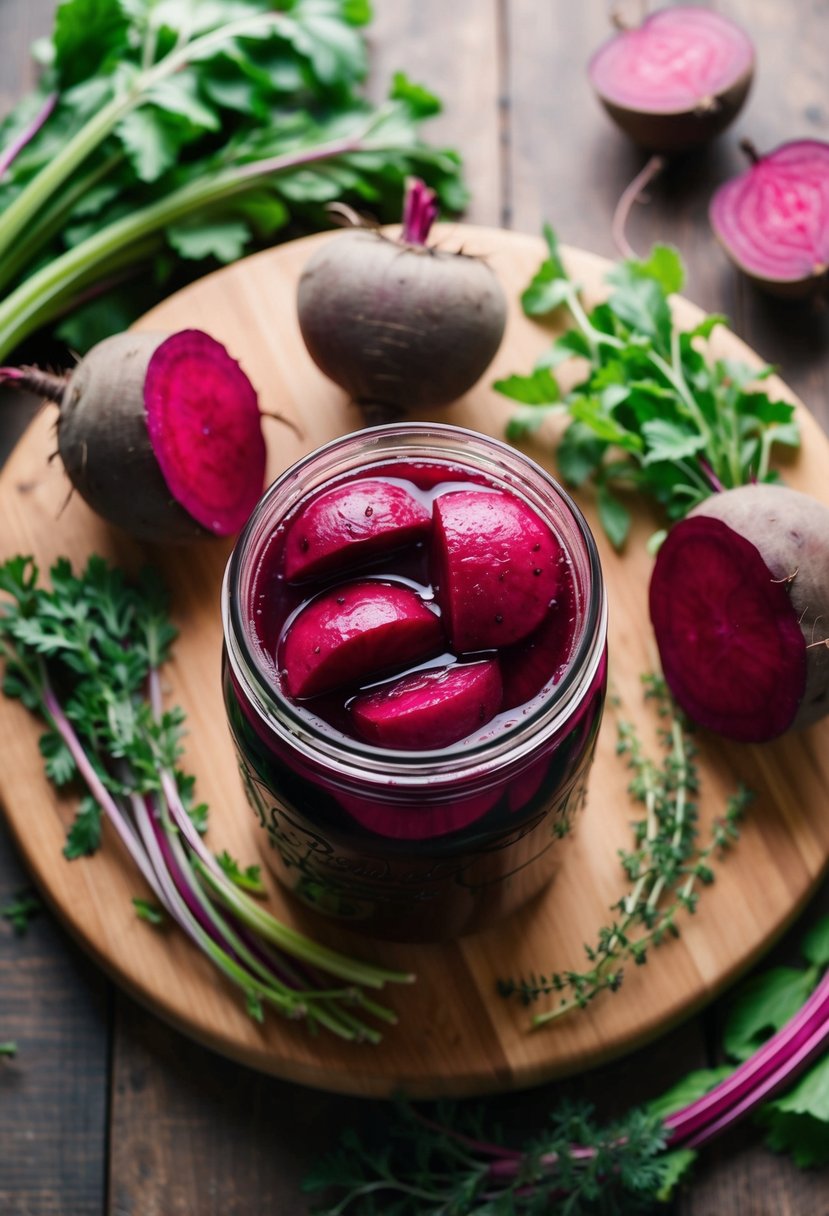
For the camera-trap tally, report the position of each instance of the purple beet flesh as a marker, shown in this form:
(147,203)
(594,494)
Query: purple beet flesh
(773,220)
(354,630)
(429,709)
(350,524)
(729,639)
(496,567)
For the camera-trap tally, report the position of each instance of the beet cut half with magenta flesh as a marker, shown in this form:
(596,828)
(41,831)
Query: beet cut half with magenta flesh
(773,220)
(676,80)
(205,427)
(729,640)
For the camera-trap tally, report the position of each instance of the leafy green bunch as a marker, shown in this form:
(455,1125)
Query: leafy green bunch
(653,413)
(170,131)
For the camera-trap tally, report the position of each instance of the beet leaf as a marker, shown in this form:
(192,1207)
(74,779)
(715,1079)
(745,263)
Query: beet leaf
(655,413)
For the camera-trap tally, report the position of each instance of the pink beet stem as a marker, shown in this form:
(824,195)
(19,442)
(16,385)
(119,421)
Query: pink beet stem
(27,134)
(420,210)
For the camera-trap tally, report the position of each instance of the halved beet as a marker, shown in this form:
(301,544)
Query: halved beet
(676,80)
(352,523)
(496,568)
(773,220)
(431,819)
(429,709)
(729,640)
(353,632)
(206,430)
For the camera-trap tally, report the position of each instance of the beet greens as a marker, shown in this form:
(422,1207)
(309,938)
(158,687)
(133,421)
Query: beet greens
(654,412)
(192,129)
(86,656)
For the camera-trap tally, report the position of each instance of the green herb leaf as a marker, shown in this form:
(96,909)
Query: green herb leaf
(798,1123)
(762,1006)
(224,240)
(695,1085)
(539,388)
(249,879)
(686,424)
(815,945)
(148,911)
(614,516)
(21,911)
(84,836)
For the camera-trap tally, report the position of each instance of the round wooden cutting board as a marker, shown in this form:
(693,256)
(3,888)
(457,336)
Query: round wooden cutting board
(455,1034)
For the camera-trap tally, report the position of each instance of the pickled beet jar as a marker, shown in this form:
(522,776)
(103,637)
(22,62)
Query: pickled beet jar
(414,673)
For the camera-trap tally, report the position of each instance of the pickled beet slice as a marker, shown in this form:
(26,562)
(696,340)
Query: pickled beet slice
(352,523)
(355,631)
(496,568)
(538,661)
(773,220)
(731,647)
(431,708)
(424,822)
(206,430)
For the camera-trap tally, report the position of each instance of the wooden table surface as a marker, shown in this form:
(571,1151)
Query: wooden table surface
(107,1110)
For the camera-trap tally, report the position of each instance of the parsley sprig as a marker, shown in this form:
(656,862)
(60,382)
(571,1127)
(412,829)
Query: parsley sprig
(86,656)
(666,865)
(654,413)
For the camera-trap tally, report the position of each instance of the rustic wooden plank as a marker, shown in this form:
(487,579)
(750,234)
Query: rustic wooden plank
(53,1095)
(453,49)
(194,1133)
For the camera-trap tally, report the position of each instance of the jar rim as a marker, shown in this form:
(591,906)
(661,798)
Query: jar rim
(350,757)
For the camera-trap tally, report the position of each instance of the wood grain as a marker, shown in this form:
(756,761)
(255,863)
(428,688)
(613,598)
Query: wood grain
(455,1037)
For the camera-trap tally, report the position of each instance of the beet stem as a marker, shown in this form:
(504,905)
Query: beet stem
(35,380)
(27,134)
(419,211)
(630,195)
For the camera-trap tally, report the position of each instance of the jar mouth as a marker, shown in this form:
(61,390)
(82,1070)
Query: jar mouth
(379,445)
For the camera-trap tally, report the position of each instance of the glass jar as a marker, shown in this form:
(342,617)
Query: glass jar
(413,845)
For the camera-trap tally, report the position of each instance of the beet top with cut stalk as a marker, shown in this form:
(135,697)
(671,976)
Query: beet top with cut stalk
(676,80)
(739,600)
(159,433)
(400,324)
(773,220)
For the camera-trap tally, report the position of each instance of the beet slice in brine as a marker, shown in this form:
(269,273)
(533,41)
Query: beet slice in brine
(350,524)
(496,568)
(353,632)
(429,709)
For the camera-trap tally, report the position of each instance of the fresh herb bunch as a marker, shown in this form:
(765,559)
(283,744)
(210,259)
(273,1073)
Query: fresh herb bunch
(653,412)
(179,131)
(86,655)
(21,910)
(457,1162)
(665,866)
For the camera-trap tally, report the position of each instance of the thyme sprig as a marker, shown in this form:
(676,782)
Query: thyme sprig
(666,866)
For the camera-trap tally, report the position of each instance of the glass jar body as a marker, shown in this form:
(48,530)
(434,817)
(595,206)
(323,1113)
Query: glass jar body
(414,845)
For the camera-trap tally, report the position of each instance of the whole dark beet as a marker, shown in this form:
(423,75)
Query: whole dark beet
(399,324)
